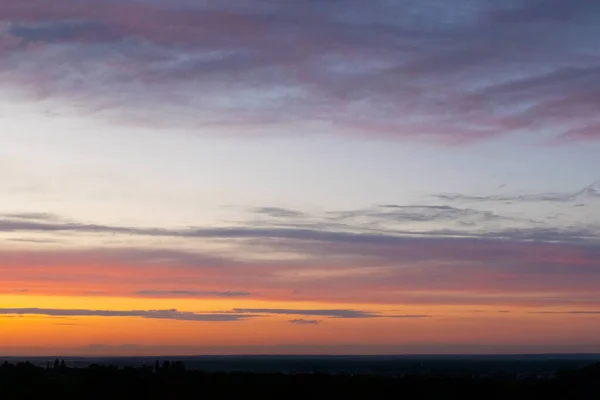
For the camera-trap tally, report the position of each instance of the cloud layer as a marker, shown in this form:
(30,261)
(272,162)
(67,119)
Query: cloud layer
(173,314)
(465,71)
(455,251)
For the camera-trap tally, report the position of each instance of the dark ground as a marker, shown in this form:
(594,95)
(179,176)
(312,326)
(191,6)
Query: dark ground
(173,380)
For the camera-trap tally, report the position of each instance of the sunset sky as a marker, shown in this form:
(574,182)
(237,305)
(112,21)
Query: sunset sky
(299,177)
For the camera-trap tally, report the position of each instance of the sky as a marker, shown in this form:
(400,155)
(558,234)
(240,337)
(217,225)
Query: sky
(299,177)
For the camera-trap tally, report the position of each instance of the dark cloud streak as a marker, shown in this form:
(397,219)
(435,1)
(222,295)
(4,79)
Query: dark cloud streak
(591,192)
(322,313)
(304,322)
(171,314)
(390,236)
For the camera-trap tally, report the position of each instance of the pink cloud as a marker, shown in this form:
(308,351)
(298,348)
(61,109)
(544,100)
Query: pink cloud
(432,272)
(346,66)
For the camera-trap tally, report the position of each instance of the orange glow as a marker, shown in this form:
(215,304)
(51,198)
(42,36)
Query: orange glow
(449,328)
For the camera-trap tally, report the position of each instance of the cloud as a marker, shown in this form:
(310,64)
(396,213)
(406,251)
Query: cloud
(567,312)
(351,314)
(56,31)
(38,241)
(414,272)
(190,293)
(350,262)
(173,314)
(45,217)
(591,192)
(411,70)
(278,212)
(417,213)
(381,218)
(304,321)
(388,236)
(148,314)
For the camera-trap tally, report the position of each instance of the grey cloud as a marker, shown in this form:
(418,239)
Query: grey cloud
(277,212)
(190,293)
(388,236)
(591,192)
(418,213)
(546,234)
(304,321)
(39,241)
(171,314)
(383,217)
(48,217)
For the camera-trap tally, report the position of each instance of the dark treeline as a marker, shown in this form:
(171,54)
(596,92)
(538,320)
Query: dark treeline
(170,380)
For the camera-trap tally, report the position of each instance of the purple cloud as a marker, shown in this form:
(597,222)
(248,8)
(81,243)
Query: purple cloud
(432,71)
(419,271)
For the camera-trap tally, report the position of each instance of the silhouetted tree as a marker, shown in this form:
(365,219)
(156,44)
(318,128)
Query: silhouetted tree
(27,381)
(178,366)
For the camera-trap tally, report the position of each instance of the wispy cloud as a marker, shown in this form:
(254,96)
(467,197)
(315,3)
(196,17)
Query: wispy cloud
(351,314)
(149,314)
(278,212)
(332,261)
(46,217)
(397,214)
(460,272)
(32,240)
(591,192)
(223,316)
(401,70)
(304,321)
(321,313)
(388,236)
